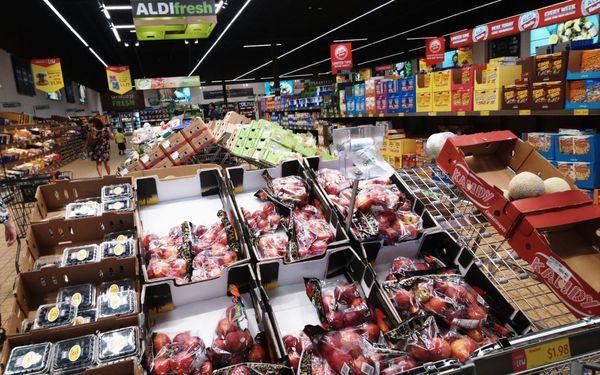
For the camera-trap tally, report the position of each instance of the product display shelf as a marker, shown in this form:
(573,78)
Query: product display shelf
(551,319)
(504,113)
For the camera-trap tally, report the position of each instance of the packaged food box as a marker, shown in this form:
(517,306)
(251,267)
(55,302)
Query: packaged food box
(85,209)
(86,316)
(110,287)
(586,175)
(407,102)
(117,249)
(82,296)
(118,344)
(55,315)
(544,143)
(117,303)
(114,192)
(74,355)
(118,205)
(582,148)
(584,64)
(30,359)
(547,95)
(551,67)
(73,256)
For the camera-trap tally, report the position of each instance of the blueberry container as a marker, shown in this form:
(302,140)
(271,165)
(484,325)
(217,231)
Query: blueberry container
(30,359)
(117,304)
(114,192)
(118,205)
(86,316)
(122,236)
(115,249)
(74,355)
(118,344)
(55,315)
(111,287)
(83,209)
(82,296)
(73,256)
(47,261)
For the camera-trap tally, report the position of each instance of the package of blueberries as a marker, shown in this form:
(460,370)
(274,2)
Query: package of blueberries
(115,192)
(120,303)
(85,316)
(110,287)
(82,209)
(74,355)
(118,205)
(55,315)
(120,236)
(118,344)
(82,296)
(47,261)
(116,249)
(73,256)
(30,359)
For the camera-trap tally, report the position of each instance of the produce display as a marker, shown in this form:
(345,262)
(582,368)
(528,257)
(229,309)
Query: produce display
(382,210)
(191,253)
(55,315)
(119,303)
(114,198)
(29,359)
(119,344)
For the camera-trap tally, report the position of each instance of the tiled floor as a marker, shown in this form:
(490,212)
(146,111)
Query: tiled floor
(80,169)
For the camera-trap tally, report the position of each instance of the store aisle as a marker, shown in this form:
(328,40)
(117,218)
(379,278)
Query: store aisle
(81,169)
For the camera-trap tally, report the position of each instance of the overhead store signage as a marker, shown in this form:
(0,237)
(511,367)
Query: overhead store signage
(341,57)
(119,79)
(434,50)
(167,83)
(168,20)
(47,75)
(129,101)
(527,21)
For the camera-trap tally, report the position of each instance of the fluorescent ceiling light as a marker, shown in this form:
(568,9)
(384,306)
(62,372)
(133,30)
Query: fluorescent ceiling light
(416,49)
(265,78)
(215,81)
(259,45)
(137,44)
(325,73)
(65,22)
(319,37)
(239,80)
(350,40)
(221,35)
(132,31)
(307,66)
(218,7)
(299,75)
(196,41)
(105,11)
(125,26)
(116,32)
(98,57)
(126,44)
(117,7)
(380,58)
(420,38)
(186,41)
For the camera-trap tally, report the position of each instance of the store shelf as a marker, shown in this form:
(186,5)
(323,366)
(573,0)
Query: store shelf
(294,110)
(523,112)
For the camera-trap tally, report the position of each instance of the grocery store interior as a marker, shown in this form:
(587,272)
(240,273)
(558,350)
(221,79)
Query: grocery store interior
(300,187)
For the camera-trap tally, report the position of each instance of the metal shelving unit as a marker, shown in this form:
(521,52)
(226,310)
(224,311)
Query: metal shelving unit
(512,276)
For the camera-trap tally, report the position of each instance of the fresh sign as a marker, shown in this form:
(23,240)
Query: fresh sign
(180,8)
(341,57)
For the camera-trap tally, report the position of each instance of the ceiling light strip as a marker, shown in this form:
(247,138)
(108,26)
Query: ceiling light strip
(351,40)
(380,58)
(317,38)
(256,45)
(218,7)
(116,32)
(97,56)
(221,35)
(124,26)
(65,22)
(118,7)
(307,66)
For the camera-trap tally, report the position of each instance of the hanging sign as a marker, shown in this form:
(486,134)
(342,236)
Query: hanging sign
(167,82)
(547,16)
(341,57)
(434,50)
(119,79)
(47,75)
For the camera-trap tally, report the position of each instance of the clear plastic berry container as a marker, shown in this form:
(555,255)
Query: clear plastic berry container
(30,360)
(82,209)
(74,355)
(118,344)
(114,192)
(117,286)
(116,249)
(120,236)
(82,296)
(120,303)
(73,256)
(86,316)
(117,205)
(47,261)
(55,315)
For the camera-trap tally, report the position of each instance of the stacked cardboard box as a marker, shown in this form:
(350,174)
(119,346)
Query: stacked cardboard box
(490,81)
(398,150)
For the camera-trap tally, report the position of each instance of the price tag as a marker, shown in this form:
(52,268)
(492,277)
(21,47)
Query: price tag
(484,113)
(432,114)
(370,115)
(581,112)
(461,113)
(400,114)
(350,116)
(525,112)
(381,115)
(540,355)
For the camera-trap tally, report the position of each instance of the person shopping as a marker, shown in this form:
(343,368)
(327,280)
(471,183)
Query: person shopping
(101,138)
(10,230)
(120,140)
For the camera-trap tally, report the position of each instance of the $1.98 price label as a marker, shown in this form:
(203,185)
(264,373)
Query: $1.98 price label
(540,355)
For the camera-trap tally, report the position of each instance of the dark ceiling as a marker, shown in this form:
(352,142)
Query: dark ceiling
(36,32)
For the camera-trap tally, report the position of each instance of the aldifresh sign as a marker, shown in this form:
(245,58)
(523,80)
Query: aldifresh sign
(179,8)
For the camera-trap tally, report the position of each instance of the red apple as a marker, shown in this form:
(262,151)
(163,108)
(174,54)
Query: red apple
(403,299)
(290,342)
(476,334)
(221,344)
(248,338)
(363,365)
(160,340)
(476,312)
(161,366)
(439,349)
(294,360)
(256,353)
(195,343)
(463,348)
(157,268)
(236,341)
(336,319)
(400,365)
(371,331)
(206,368)
(169,252)
(435,305)
(240,370)
(345,293)
(182,338)
(147,239)
(419,351)
(353,318)
(181,363)
(337,360)
(178,267)
(224,327)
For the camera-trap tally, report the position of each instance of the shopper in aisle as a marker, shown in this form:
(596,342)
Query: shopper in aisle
(120,141)
(10,230)
(213,113)
(100,147)
(84,132)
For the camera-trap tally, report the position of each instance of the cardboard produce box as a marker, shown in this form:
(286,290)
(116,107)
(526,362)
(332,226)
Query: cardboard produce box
(462,89)
(441,245)
(173,143)
(244,185)
(51,199)
(166,203)
(550,67)
(169,309)
(563,252)
(52,237)
(482,165)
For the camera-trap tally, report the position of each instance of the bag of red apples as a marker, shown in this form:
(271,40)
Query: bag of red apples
(287,225)
(191,253)
(381,209)
(403,267)
(177,353)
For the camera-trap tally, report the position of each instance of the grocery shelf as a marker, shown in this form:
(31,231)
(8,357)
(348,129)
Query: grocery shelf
(502,113)
(317,109)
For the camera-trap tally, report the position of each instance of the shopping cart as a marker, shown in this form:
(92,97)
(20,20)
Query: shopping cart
(19,196)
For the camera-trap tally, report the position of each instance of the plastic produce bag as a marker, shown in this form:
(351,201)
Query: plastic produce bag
(176,353)
(273,245)
(253,369)
(313,231)
(263,221)
(332,181)
(403,267)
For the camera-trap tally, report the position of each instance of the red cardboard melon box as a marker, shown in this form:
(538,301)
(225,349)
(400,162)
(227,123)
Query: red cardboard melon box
(482,165)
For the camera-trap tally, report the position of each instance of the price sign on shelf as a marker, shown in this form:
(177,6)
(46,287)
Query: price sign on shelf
(540,355)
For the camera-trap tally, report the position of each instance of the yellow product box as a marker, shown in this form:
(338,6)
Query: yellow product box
(424,102)
(441,81)
(486,100)
(496,76)
(423,83)
(441,101)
